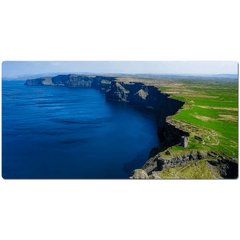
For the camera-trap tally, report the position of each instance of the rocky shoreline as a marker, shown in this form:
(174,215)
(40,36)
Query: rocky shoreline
(150,97)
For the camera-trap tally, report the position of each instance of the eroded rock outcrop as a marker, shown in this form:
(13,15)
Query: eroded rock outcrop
(164,160)
(139,174)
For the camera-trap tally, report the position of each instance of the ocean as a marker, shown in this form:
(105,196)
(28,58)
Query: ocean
(71,133)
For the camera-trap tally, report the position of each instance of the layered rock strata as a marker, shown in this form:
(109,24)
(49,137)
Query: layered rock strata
(160,161)
(101,83)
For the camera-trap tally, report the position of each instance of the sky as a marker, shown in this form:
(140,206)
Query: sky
(20,68)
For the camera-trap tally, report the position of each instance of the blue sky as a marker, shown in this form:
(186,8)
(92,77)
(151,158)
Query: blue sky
(19,68)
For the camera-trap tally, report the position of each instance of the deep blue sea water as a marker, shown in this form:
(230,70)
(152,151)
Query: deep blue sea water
(58,132)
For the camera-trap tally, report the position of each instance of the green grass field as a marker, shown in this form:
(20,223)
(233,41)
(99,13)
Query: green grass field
(210,112)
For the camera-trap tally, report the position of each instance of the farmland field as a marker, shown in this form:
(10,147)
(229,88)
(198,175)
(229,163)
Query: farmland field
(211,110)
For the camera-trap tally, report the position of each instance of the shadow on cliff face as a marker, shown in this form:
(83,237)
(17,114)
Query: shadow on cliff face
(226,168)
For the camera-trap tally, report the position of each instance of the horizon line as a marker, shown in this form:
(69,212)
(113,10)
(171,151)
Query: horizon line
(97,73)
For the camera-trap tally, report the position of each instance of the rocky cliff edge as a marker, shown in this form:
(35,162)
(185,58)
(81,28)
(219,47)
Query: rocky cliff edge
(172,132)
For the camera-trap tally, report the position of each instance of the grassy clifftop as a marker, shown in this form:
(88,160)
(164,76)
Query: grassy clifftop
(210,114)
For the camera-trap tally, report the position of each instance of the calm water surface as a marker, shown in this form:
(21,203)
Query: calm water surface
(58,132)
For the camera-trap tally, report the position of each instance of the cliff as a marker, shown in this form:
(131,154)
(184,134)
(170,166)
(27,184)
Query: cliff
(101,83)
(170,133)
(163,161)
(150,97)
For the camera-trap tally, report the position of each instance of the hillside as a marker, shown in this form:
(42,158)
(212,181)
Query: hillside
(210,116)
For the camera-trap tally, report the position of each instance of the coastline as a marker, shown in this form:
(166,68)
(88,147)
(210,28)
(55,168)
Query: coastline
(171,132)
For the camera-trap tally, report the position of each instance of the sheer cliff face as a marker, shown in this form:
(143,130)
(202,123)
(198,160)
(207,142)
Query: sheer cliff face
(73,80)
(150,97)
(146,96)
(142,95)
